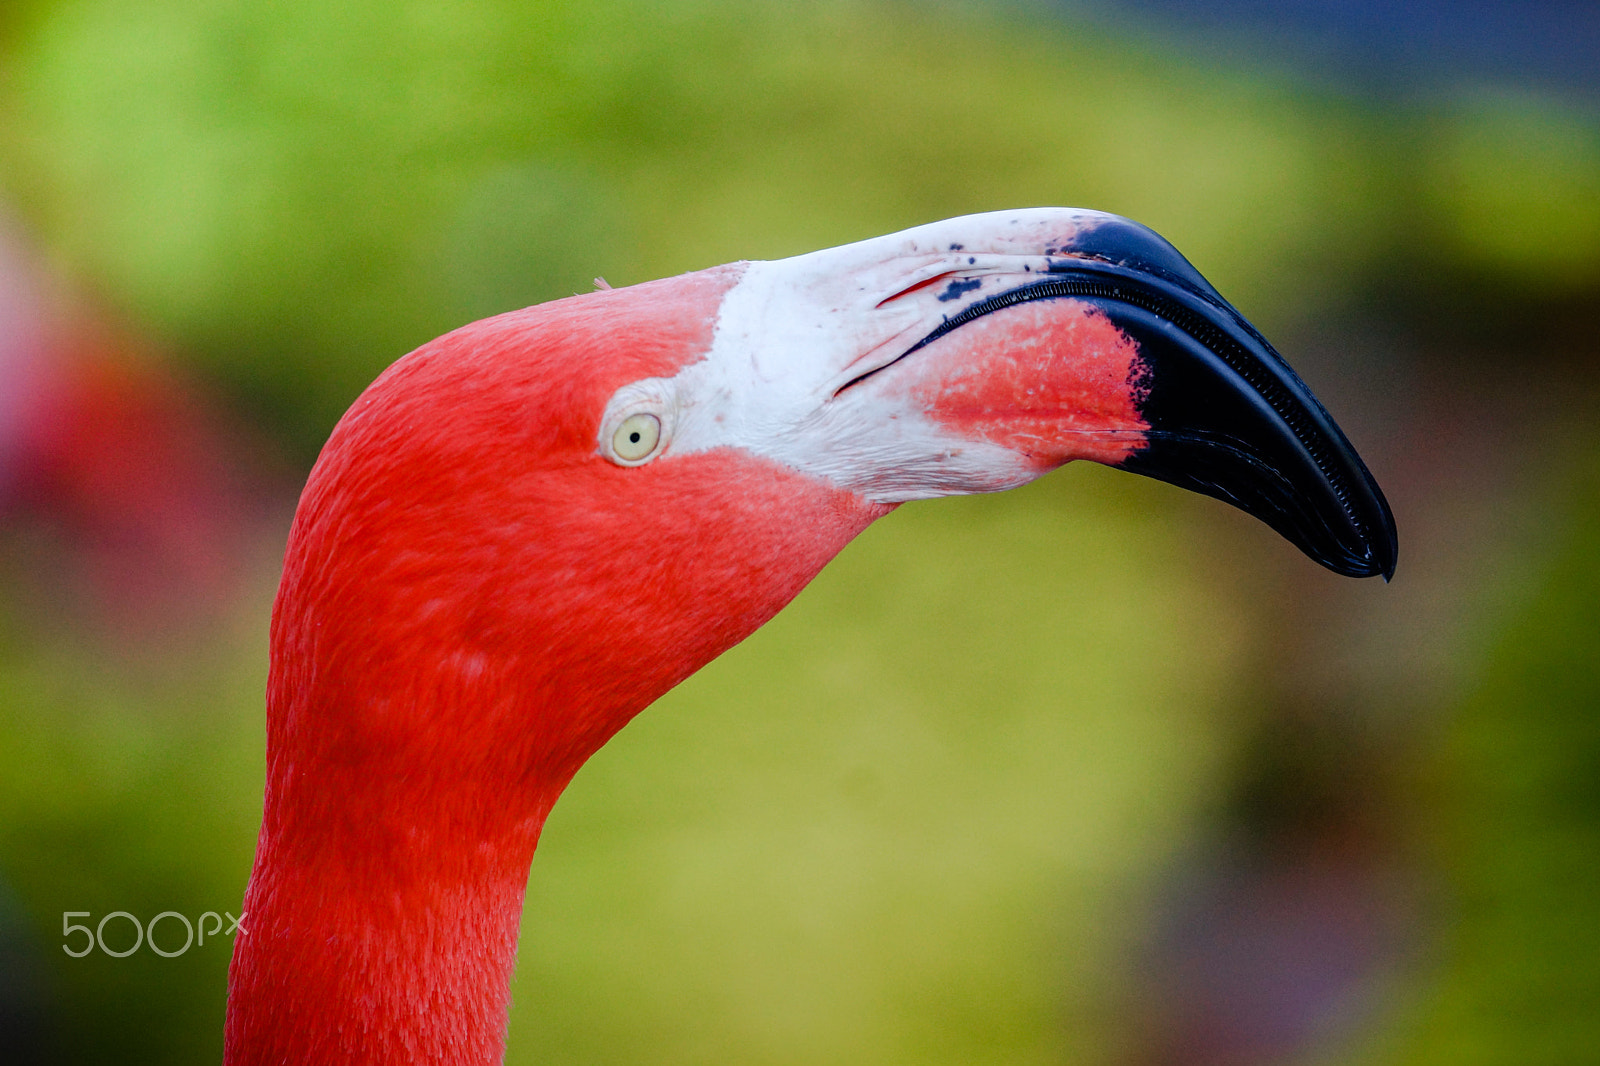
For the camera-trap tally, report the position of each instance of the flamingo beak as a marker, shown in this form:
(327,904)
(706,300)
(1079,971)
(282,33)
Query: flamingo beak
(1227,416)
(1114,348)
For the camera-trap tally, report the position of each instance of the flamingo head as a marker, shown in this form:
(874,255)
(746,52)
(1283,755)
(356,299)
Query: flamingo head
(579,504)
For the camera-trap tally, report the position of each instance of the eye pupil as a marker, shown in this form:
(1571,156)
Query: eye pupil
(636,439)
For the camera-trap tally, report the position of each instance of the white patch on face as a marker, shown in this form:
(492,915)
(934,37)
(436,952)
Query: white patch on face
(793,332)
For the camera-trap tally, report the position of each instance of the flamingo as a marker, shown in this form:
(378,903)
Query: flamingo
(527,530)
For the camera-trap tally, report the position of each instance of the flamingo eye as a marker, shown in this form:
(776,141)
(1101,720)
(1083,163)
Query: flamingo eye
(637,439)
(638,422)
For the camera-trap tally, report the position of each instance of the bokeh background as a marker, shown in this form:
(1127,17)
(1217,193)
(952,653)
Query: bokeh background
(1092,772)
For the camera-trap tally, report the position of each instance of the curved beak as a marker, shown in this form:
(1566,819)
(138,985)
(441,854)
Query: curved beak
(1227,416)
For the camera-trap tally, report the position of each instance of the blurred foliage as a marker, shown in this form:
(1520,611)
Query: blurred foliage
(817,849)
(1512,806)
(128,790)
(1505,164)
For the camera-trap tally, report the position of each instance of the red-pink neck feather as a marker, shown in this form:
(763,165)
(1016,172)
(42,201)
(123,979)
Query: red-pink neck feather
(473,602)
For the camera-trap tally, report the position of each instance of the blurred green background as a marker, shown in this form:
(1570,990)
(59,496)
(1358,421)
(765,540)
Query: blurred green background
(1091,772)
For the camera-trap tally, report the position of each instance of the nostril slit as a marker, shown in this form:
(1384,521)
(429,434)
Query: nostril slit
(907,291)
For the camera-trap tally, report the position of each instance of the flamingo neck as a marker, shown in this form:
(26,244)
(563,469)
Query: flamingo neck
(410,767)
(381,922)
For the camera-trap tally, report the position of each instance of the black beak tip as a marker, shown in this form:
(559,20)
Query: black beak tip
(1334,513)
(1228,417)
(1377,560)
